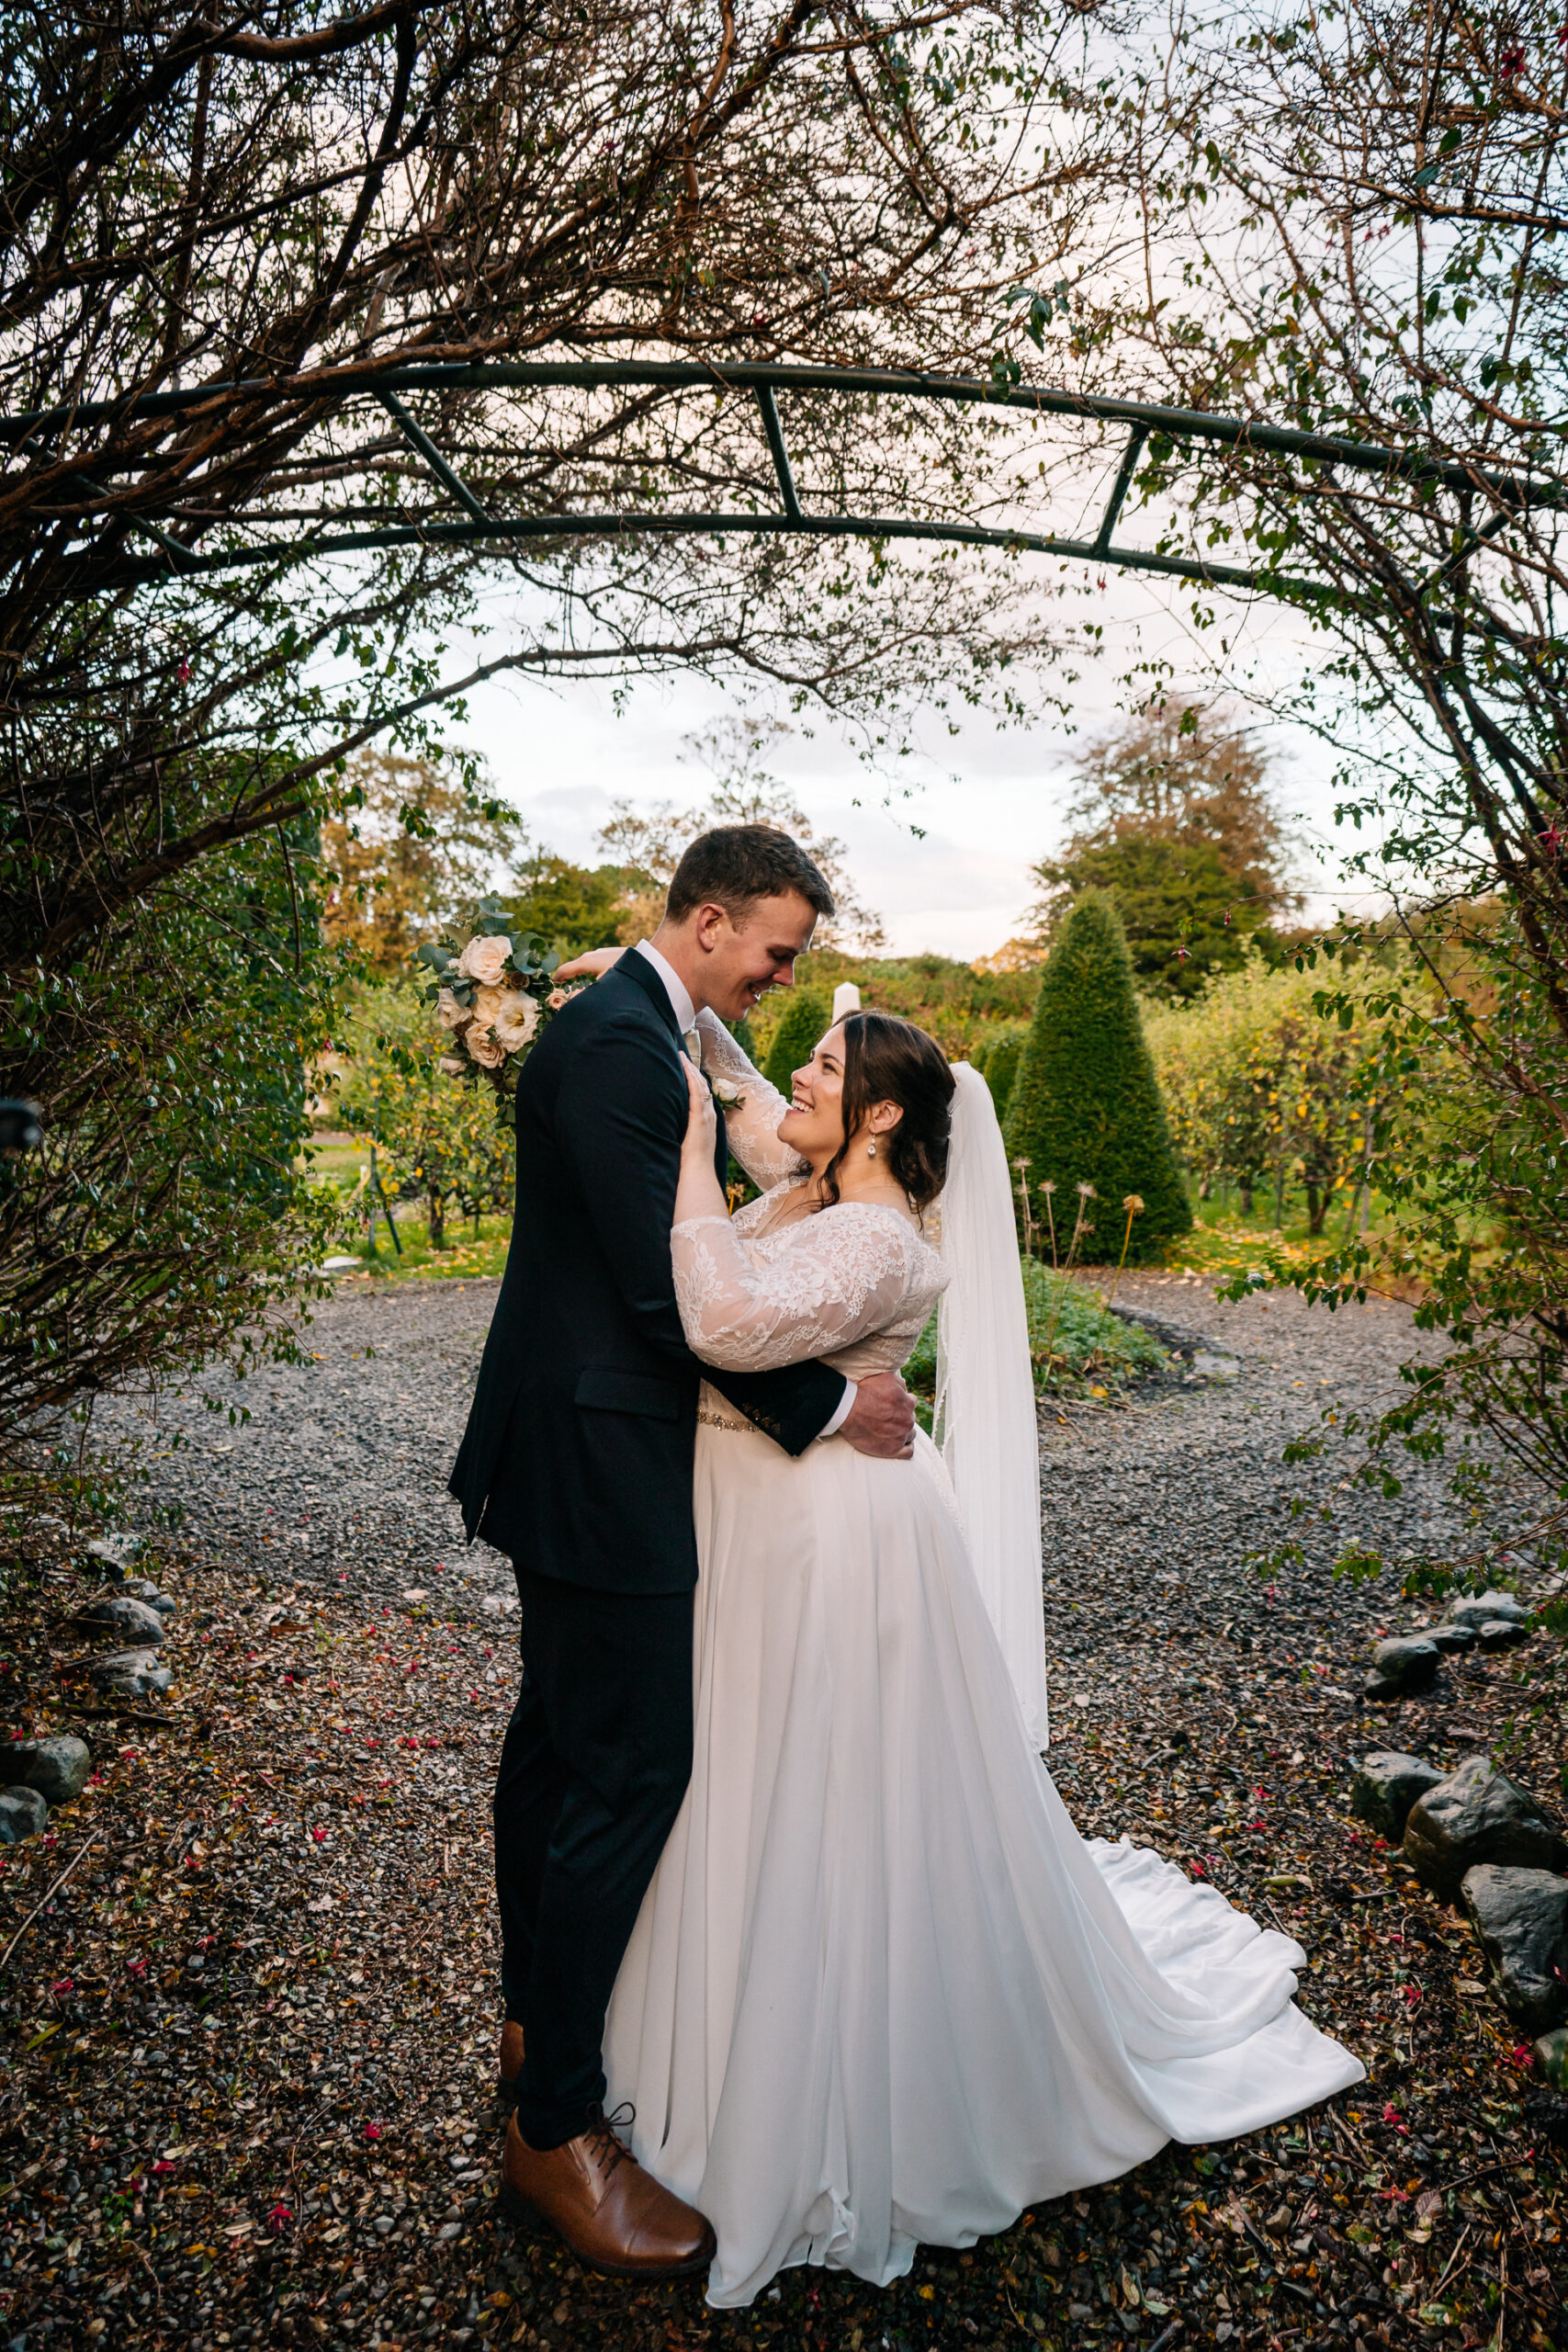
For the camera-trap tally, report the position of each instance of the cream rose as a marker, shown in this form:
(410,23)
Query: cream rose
(516,1020)
(485,959)
(449,1011)
(453,1064)
(484,1049)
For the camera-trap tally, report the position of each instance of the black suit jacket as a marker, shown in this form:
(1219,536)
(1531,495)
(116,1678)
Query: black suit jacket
(576,1461)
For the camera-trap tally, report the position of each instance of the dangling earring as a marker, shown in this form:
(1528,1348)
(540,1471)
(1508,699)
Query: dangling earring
(871,1149)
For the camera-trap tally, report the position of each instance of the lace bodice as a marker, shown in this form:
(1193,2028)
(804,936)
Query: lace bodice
(776,1284)
(752,1124)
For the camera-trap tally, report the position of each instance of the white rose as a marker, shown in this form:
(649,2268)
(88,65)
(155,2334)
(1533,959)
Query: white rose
(484,1049)
(516,1020)
(449,1011)
(485,959)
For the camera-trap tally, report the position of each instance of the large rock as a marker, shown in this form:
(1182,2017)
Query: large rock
(1480,1607)
(1407,1662)
(57,1768)
(1450,1638)
(1501,1632)
(1386,1785)
(120,1614)
(23,1814)
(131,1673)
(1521,1917)
(1476,1816)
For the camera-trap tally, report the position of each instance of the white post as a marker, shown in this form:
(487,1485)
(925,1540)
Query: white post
(846,999)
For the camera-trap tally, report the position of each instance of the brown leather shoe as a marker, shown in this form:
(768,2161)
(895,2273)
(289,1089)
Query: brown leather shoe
(614,2216)
(511,2065)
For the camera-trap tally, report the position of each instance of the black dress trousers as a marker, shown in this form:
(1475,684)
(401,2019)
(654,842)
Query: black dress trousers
(593,1768)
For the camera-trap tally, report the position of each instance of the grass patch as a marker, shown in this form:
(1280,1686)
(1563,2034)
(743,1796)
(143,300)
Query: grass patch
(1078,1348)
(468,1256)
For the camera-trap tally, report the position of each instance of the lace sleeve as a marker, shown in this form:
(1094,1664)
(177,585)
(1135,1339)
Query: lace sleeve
(845,1272)
(752,1125)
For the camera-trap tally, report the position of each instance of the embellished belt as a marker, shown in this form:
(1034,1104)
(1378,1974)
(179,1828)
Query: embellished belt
(717,1422)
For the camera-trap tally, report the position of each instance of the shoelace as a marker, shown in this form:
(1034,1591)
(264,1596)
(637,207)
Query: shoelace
(601,2131)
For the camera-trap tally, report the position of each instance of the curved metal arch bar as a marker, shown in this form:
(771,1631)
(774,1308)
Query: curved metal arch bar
(578,526)
(335,385)
(1143,419)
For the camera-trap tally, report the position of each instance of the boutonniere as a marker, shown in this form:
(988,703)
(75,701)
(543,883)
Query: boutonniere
(726,1094)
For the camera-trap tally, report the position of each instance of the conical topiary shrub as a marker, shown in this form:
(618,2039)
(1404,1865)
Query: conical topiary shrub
(1086,1105)
(806,1018)
(998,1061)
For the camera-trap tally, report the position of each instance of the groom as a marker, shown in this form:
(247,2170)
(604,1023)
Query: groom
(578,1464)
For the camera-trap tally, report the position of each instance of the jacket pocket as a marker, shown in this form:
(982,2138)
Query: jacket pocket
(604,1390)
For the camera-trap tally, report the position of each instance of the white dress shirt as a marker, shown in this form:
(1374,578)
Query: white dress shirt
(686,1012)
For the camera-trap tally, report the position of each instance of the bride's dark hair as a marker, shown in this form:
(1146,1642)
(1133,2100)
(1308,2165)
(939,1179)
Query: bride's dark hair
(889,1060)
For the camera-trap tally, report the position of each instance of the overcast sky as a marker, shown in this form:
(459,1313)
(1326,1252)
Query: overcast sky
(989,800)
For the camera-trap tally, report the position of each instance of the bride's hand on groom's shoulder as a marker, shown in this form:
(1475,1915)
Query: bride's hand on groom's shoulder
(598,960)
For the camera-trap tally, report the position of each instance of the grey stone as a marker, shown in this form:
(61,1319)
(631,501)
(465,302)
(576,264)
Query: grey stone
(155,1597)
(1450,1639)
(119,1613)
(1407,1662)
(1386,1785)
(56,1768)
(1477,1608)
(23,1814)
(1206,1366)
(1521,1917)
(115,1549)
(131,1673)
(1476,1816)
(1501,1632)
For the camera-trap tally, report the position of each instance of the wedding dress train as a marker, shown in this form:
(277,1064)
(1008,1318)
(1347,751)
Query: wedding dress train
(880,1990)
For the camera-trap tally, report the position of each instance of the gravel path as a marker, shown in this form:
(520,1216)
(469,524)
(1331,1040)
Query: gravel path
(339,1475)
(245,2051)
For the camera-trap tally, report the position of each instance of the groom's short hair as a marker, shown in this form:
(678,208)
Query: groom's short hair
(735,866)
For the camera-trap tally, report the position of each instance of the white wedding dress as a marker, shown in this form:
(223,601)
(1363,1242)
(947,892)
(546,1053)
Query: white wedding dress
(880,1990)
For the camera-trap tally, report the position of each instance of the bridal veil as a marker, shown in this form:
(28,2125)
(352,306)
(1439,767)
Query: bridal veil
(985,1424)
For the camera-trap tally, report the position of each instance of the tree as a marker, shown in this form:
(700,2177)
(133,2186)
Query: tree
(1085,1106)
(1261,1091)
(410,849)
(574,907)
(447,1143)
(1174,819)
(805,1021)
(649,844)
(168,1217)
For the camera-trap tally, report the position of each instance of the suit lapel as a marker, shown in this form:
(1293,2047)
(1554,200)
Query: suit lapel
(641,974)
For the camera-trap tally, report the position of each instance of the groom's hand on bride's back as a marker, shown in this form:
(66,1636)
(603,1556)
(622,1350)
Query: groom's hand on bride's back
(881,1421)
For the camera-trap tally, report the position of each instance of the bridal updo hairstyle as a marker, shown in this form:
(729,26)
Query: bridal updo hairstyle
(889,1060)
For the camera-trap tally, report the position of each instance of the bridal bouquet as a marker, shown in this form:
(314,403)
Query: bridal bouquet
(493,995)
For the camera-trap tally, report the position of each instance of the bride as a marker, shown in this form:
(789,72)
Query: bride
(880,1990)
